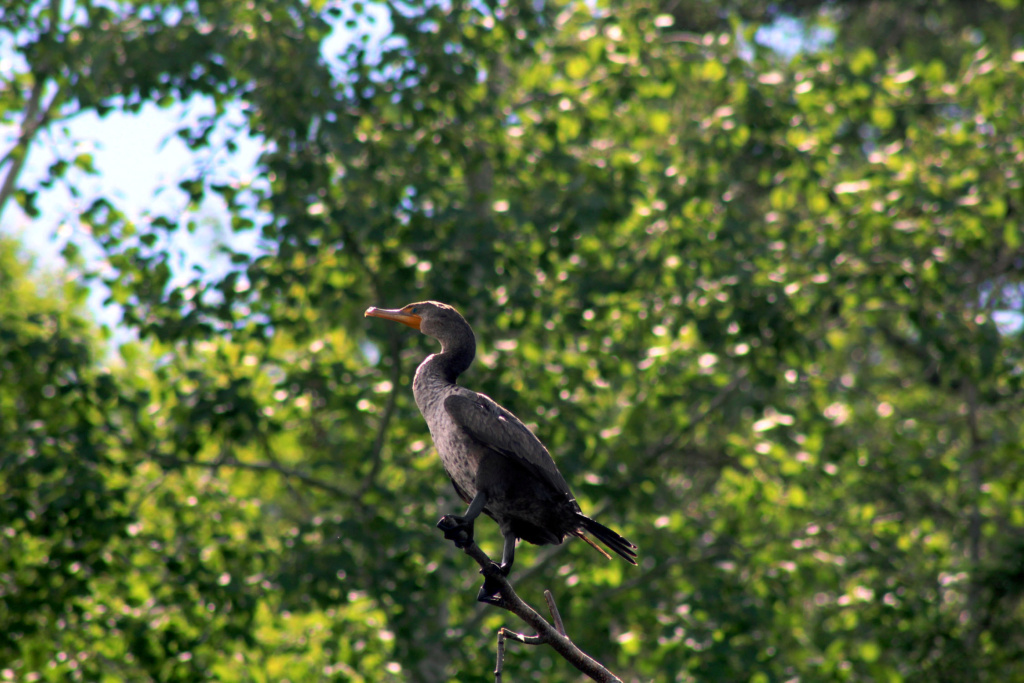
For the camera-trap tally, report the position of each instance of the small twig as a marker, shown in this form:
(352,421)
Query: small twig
(500,664)
(504,633)
(553,608)
(520,638)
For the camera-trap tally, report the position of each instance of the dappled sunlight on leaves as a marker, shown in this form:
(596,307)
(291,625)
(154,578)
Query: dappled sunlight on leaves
(758,303)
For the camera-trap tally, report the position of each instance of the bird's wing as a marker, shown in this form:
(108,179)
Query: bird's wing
(501,431)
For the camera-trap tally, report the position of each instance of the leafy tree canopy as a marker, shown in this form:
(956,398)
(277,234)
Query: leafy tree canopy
(765,310)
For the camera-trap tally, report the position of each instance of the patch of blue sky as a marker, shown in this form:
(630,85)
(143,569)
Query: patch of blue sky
(140,160)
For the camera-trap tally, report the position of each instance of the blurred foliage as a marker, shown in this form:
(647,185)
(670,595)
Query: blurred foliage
(766,312)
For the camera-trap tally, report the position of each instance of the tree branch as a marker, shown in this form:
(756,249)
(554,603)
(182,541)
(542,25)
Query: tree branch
(546,633)
(259,467)
(976,481)
(504,633)
(553,608)
(264,444)
(31,122)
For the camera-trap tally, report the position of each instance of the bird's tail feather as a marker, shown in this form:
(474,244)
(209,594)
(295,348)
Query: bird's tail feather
(615,542)
(580,534)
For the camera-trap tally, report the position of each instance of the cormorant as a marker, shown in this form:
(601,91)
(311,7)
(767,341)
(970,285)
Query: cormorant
(498,466)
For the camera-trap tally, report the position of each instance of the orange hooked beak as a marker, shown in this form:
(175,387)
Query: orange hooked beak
(399,315)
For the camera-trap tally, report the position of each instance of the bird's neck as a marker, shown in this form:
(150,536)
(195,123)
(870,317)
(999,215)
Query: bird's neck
(455,358)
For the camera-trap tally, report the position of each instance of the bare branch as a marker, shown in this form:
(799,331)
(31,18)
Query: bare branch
(553,608)
(504,633)
(546,633)
(500,664)
(520,638)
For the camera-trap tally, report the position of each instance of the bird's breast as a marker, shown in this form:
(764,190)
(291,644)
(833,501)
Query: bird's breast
(459,454)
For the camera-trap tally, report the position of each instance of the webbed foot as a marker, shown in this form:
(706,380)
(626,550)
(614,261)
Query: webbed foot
(490,592)
(457,530)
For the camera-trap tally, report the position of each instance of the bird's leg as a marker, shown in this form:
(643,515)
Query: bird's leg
(490,591)
(460,529)
(508,554)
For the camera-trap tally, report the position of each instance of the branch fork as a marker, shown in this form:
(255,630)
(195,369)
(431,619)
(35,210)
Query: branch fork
(546,632)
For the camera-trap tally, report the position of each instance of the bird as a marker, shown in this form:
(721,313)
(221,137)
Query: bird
(497,465)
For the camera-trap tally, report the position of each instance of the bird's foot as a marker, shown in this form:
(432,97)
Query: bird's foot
(457,530)
(490,592)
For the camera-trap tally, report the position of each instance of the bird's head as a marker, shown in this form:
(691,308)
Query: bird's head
(432,318)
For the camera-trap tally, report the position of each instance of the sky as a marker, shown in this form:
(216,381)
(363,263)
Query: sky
(140,162)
